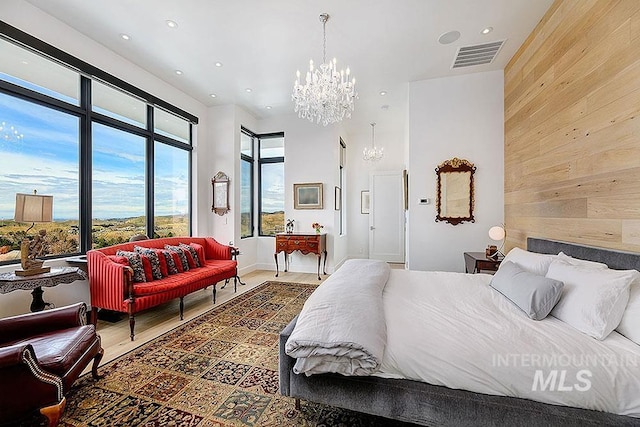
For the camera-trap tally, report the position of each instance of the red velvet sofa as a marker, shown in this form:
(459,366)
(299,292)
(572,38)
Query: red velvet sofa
(112,286)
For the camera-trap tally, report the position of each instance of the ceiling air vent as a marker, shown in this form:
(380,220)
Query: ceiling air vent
(477,54)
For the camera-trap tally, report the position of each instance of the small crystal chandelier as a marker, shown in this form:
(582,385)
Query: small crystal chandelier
(9,133)
(374,153)
(327,95)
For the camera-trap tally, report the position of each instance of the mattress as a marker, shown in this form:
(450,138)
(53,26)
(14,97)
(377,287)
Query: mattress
(454,330)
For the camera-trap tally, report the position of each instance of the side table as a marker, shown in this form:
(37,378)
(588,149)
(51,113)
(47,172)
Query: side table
(9,282)
(236,279)
(475,262)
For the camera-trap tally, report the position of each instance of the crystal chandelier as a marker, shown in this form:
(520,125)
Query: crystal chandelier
(327,94)
(374,153)
(9,133)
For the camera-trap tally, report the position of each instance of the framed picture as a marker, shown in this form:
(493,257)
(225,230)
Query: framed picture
(338,198)
(307,196)
(364,202)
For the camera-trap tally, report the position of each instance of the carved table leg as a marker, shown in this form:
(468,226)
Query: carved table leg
(276,258)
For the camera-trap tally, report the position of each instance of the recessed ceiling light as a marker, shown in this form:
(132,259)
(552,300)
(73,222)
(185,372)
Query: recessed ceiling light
(385,107)
(248,90)
(268,107)
(125,36)
(383,92)
(487,30)
(449,37)
(171,24)
(178,72)
(218,64)
(213,95)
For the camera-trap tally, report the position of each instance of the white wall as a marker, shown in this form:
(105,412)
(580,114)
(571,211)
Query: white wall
(32,20)
(454,117)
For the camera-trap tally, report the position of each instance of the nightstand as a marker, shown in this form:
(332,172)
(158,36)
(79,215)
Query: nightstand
(475,262)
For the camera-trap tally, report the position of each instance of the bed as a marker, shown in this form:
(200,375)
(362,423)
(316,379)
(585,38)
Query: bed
(436,403)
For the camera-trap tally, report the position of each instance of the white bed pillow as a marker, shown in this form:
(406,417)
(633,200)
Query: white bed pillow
(593,300)
(581,262)
(529,261)
(630,324)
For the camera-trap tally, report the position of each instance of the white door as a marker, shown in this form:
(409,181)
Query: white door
(386,217)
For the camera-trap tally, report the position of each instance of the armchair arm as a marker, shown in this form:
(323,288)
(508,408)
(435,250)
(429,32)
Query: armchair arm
(108,281)
(215,250)
(24,384)
(24,325)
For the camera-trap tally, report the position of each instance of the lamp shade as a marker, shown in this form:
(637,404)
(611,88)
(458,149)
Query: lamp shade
(33,208)
(497,233)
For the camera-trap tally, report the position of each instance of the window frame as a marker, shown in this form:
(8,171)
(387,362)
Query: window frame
(87,117)
(262,161)
(251,161)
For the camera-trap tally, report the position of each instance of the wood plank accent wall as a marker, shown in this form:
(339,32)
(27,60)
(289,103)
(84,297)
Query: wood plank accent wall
(572,127)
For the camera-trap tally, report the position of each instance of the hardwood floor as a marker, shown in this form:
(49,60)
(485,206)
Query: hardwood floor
(156,321)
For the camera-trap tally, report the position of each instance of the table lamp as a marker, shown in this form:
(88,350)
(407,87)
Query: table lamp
(499,234)
(33,208)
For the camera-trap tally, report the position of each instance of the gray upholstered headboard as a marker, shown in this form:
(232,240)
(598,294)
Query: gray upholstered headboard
(614,259)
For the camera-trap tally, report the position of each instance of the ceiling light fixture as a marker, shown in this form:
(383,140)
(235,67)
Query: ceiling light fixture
(125,36)
(218,64)
(268,107)
(178,72)
(171,24)
(248,90)
(487,30)
(383,92)
(372,154)
(213,95)
(327,95)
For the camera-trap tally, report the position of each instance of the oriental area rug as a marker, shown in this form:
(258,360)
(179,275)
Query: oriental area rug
(219,369)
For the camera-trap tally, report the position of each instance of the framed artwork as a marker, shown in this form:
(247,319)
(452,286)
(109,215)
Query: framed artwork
(338,198)
(364,202)
(307,196)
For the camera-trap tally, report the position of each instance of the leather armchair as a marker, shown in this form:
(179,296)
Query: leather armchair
(41,355)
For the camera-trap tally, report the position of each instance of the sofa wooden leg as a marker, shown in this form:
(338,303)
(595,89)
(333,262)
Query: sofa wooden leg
(96,362)
(214,292)
(94,316)
(297,404)
(54,412)
(132,324)
(181,308)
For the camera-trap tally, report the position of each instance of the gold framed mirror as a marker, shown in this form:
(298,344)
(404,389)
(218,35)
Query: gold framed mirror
(454,195)
(220,184)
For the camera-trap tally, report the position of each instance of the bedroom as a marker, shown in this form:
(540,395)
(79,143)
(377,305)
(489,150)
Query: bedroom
(581,198)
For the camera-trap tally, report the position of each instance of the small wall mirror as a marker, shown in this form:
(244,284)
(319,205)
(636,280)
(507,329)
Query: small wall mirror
(220,184)
(454,202)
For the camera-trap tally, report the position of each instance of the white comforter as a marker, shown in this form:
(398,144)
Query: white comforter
(454,330)
(341,327)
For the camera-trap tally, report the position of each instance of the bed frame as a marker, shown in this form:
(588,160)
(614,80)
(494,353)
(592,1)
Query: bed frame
(427,404)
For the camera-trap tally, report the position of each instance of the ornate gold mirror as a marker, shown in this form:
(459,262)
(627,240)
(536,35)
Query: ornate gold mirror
(220,184)
(454,201)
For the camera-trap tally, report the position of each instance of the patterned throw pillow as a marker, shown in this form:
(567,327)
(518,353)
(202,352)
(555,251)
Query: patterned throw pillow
(194,254)
(153,259)
(171,264)
(135,262)
(180,252)
(164,269)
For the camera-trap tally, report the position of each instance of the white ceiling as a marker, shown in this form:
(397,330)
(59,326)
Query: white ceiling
(261,44)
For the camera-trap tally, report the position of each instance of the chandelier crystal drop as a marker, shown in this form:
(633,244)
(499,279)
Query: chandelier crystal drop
(327,95)
(9,133)
(374,153)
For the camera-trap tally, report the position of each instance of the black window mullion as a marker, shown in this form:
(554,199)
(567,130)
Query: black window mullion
(86,177)
(150,179)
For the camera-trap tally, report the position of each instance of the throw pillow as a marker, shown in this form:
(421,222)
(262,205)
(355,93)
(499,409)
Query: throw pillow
(119,259)
(162,260)
(630,323)
(190,250)
(533,294)
(200,251)
(135,262)
(171,262)
(593,300)
(581,262)
(153,259)
(530,261)
(146,265)
(181,256)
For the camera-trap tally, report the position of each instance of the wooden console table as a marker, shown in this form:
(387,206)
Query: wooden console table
(307,243)
(10,282)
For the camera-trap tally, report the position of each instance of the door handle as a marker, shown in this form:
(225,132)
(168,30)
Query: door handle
(372,228)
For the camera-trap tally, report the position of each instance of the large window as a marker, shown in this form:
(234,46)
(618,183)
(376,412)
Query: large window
(271,177)
(116,159)
(246,183)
